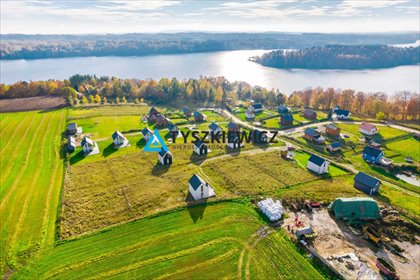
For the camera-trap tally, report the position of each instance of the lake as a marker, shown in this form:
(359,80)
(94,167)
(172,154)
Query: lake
(233,65)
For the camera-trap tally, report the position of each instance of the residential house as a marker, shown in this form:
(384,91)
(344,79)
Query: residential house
(187,112)
(233,141)
(146,132)
(200,189)
(341,114)
(249,114)
(233,127)
(71,145)
(89,147)
(199,117)
(309,114)
(334,147)
(200,148)
(165,157)
(259,137)
(173,129)
(153,111)
(372,155)
(366,183)
(317,164)
(162,121)
(257,107)
(332,130)
(73,129)
(119,139)
(215,128)
(286,119)
(282,110)
(368,129)
(313,135)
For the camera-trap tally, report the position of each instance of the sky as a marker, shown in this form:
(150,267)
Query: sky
(100,16)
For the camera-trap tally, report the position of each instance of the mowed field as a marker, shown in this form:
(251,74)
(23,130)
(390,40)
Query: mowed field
(31,178)
(230,241)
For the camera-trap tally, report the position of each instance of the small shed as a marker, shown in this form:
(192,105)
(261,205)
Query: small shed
(334,147)
(317,164)
(286,119)
(71,145)
(301,232)
(165,157)
(355,208)
(147,133)
(332,130)
(368,129)
(309,114)
(372,155)
(200,189)
(200,148)
(199,117)
(366,183)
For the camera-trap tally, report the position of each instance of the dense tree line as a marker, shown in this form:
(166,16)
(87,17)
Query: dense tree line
(83,89)
(342,57)
(15,46)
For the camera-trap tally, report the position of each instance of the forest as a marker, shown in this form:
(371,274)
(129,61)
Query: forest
(19,46)
(214,91)
(342,57)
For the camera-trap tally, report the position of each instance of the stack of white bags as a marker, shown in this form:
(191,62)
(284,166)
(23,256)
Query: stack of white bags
(273,210)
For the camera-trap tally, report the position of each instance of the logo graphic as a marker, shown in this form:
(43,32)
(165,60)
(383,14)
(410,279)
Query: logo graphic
(155,143)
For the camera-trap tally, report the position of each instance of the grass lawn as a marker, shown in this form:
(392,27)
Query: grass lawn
(406,148)
(108,110)
(302,158)
(31,178)
(214,241)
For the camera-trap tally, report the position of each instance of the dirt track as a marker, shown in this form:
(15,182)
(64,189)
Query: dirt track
(31,103)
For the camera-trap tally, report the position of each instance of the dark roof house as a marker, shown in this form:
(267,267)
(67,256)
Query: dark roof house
(309,114)
(366,183)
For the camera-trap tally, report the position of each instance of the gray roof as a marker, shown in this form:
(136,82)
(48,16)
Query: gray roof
(366,180)
(213,126)
(311,132)
(336,145)
(317,160)
(163,152)
(72,126)
(87,141)
(333,127)
(196,181)
(117,134)
(146,131)
(372,151)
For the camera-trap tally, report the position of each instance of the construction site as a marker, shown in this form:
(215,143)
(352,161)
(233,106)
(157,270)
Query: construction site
(386,247)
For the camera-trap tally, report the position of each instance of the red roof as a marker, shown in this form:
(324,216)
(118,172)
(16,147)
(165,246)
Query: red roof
(367,126)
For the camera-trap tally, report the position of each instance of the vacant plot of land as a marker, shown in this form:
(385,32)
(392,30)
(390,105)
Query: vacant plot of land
(31,103)
(114,110)
(226,240)
(409,147)
(385,132)
(31,177)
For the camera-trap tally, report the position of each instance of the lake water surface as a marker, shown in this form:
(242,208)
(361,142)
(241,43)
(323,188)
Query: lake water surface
(233,65)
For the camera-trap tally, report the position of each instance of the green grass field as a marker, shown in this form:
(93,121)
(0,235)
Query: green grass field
(31,178)
(221,241)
